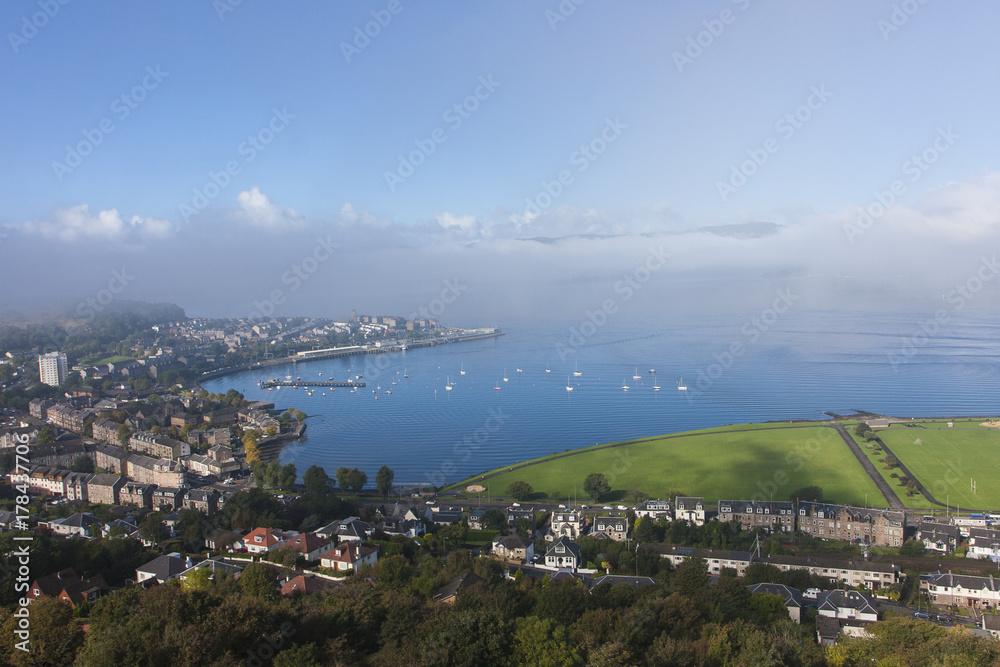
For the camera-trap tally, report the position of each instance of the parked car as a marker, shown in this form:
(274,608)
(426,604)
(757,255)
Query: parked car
(562,507)
(921,614)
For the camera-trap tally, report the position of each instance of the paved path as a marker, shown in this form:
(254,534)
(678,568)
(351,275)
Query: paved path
(883,486)
(920,487)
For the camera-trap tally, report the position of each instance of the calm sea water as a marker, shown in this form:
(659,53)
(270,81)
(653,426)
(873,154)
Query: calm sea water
(737,370)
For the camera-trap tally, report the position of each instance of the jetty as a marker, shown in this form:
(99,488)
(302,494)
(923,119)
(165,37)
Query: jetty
(267,384)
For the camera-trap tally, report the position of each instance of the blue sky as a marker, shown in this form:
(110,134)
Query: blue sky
(889,92)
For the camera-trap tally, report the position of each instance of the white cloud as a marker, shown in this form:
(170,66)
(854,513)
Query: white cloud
(76,222)
(152,227)
(257,210)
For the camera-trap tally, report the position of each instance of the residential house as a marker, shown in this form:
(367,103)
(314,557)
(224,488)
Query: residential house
(77,486)
(163,568)
(310,545)
(219,439)
(715,559)
(983,543)
(565,523)
(205,465)
(791,596)
(771,516)
(513,547)
(159,446)
(476,519)
(204,500)
(106,430)
(220,539)
(881,528)
(38,407)
(564,553)
(610,527)
(168,497)
(216,567)
(991,624)
(690,509)
(263,540)
(449,593)
(515,514)
(443,515)
(854,573)
(162,472)
(844,613)
(405,527)
(977,593)
(68,587)
(134,493)
(105,488)
(654,509)
(305,585)
(46,480)
(111,458)
(351,529)
(349,556)
(939,537)
(77,525)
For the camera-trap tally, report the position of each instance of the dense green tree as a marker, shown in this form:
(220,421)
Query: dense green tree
(257,580)
(351,480)
(316,480)
(83,464)
(123,434)
(383,481)
(544,643)
(519,490)
(153,529)
(46,435)
(596,486)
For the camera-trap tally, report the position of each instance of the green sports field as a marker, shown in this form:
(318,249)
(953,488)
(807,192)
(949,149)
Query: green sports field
(945,460)
(720,463)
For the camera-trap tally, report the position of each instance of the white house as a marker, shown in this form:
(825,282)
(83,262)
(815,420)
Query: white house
(563,553)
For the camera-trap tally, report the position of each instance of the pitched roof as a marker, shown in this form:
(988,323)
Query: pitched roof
(792,596)
(306,585)
(841,599)
(265,537)
(306,542)
(567,545)
(511,542)
(164,568)
(348,552)
(52,584)
(457,585)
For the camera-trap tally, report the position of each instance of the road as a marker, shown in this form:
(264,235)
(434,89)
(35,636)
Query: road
(883,486)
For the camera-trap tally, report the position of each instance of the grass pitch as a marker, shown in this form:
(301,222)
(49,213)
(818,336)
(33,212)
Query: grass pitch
(762,462)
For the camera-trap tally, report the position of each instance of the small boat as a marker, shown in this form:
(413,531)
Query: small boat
(519,368)
(462,369)
(447,386)
(505,375)
(681,386)
(656,387)
(625,387)
(405,374)
(636,376)
(388,392)
(577,372)
(497,387)
(652,370)
(568,387)
(547,369)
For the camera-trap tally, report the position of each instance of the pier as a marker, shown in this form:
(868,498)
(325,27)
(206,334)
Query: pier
(267,384)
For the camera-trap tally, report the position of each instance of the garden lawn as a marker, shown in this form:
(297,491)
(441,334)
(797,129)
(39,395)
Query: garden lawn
(759,463)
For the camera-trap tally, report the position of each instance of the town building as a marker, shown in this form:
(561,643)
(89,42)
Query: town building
(940,538)
(349,556)
(857,574)
(881,528)
(654,509)
(690,509)
(610,527)
(53,368)
(771,516)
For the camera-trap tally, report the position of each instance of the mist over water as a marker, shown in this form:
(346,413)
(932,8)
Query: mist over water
(738,368)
